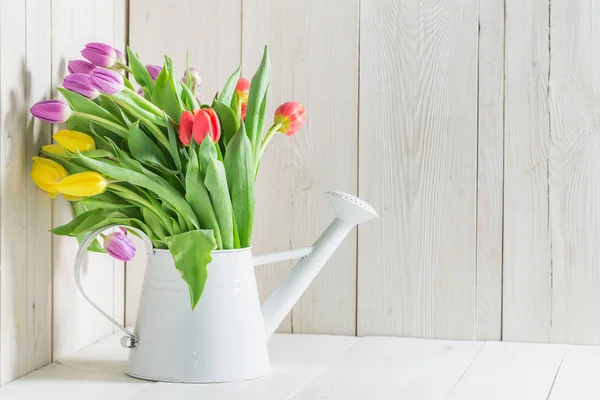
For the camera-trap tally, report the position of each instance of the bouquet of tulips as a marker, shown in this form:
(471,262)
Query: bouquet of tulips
(158,159)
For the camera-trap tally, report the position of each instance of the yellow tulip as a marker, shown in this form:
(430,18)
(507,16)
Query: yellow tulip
(46,174)
(55,149)
(71,198)
(74,141)
(82,184)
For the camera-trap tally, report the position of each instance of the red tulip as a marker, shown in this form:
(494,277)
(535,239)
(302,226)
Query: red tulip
(206,122)
(242,89)
(290,116)
(185,127)
(244,108)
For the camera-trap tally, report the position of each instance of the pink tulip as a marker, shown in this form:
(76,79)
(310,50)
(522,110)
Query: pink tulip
(81,83)
(206,122)
(107,81)
(290,116)
(53,111)
(119,246)
(154,71)
(80,66)
(101,54)
(194,76)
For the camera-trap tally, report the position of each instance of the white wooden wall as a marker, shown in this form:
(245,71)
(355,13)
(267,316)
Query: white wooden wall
(472,126)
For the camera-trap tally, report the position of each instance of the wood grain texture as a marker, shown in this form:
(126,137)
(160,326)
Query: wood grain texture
(527,285)
(210,31)
(574,171)
(75,323)
(418,168)
(315,64)
(14,336)
(490,131)
(39,205)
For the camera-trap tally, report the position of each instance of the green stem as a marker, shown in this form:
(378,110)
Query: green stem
(123,66)
(272,130)
(118,128)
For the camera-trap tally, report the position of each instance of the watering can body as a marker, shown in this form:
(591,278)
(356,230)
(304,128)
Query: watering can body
(225,337)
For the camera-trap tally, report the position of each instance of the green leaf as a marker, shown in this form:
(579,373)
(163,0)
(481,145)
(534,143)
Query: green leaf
(89,220)
(190,101)
(229,88)
(173,148)
(191,253)
(144,149)
(206,151)
(84,105)
(147,180)
(166,93)
(154,223)
(197,195)
(138,106)
(261,123)
(228,120)
(140,73)
(95,247)
(216,183)
(240,179)
(258,89)
(115,110)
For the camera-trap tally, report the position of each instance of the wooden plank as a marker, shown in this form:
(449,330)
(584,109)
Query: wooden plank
(39,205)
(296,361)
(578,377)
(13,205)
(574,171)
(490,170)
(76,324)
(515,371)
(527,259)
(317,66)
(418,168)
(384,368)
(210,31)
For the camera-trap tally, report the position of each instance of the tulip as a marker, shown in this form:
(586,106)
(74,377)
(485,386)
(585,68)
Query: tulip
(242,89)
(55,149)
(53,111)
(107,81)
(81,83)
(195,77)
(120,57)
(119,246)
(80,67)
(100,54)
(82,184)
(243,111)
(290,116)
(46,174)
(154,71)
(74,141)
(206,122)
(71,198)
(185,128)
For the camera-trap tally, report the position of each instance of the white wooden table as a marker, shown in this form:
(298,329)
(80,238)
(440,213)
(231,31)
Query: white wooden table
(336,367)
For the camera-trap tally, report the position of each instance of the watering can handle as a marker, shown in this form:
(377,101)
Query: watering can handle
(131,339)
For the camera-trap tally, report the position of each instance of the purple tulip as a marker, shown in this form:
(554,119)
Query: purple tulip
(81,83)
(119,246)
(154,71)
(100,54)
(80,66)
(53,111)
(120,57)
(107,81)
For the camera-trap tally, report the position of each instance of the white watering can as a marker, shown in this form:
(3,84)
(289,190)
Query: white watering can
(225,337)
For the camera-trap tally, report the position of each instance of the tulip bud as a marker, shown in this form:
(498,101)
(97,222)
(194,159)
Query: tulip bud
(206,122)
(107,81)
(154,71)
(120,57)
(185,128)
(119,246)
(80,67)
(290,116)
(74,141)
(82,184)
(242,89)
(53,111)
(81,83)
(46,174)
(100,54)
(55,149)
(195,77)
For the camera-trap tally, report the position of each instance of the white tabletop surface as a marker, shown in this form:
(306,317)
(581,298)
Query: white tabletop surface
(337,367)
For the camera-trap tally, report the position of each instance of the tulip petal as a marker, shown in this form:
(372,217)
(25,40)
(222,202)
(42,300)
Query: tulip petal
(82,184)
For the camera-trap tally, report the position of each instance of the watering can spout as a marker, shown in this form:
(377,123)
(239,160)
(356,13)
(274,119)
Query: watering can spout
(349,211)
